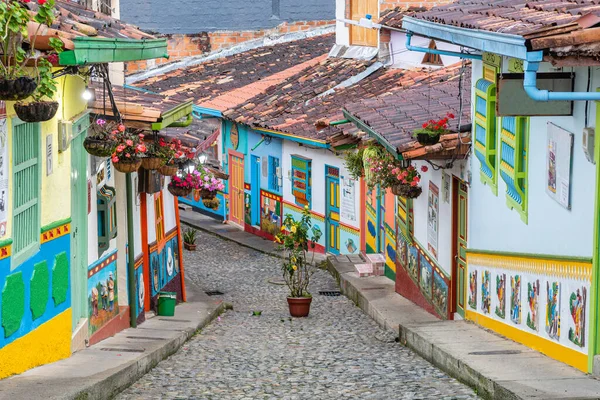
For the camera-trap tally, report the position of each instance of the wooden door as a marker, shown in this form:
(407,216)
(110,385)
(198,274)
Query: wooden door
(255,189)
(236,166)
(459,217)
(332,212)
(79,239)
(359,9)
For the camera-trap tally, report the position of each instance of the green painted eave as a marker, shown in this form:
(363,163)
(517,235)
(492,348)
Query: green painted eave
(372,133)
(94,50)
(172,117)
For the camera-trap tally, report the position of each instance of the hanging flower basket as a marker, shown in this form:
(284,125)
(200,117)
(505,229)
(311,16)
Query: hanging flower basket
(179,191)
(427,139)
(213,204)
(99,147)
(37,111)
(128,166)
(168,170)
(152,163)
(208,194)
(17,89)
(407,191)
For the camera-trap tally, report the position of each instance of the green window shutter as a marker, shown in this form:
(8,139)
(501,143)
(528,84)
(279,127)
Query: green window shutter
(301,170)
(26,188)
(514,138)
(485,131)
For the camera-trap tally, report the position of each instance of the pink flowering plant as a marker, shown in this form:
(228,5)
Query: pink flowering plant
(169,150)
(184,180)
(379,166)
(129,146)
(207,180)
(409,176)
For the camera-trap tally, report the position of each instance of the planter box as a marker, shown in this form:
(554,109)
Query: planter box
(364,270)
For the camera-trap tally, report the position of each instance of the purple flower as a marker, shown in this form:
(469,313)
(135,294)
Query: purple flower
(100,122)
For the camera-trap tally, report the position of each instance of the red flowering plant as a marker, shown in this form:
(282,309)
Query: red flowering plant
(183,183)
(169,150)
(408,176)
(129,146)
(430,132)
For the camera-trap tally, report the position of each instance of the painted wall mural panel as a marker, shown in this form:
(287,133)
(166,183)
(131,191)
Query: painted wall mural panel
(164,267)
(270,212)
(103,302)
(548,302)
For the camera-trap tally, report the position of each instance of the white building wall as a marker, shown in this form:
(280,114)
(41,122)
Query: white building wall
(342,32)
(169,208)
(552,229)
(402,58)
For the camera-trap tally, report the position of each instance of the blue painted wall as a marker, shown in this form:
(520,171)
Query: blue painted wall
(274,148)
(166,16)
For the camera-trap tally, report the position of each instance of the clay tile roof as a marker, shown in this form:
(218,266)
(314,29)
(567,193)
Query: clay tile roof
(423,96)
(517,17)
(393,16)
(74,20)
(215,82)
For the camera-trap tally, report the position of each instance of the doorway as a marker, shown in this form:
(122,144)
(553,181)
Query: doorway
(332,209)
(255,189)
(236,166)
(362,36)
(459,244)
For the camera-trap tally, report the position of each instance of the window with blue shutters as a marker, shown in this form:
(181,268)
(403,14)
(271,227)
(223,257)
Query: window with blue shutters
(301,180)
(273,174)
(26,188)
(485,130)
(514,139)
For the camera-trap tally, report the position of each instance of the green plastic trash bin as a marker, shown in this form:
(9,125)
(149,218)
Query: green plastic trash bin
(166,303)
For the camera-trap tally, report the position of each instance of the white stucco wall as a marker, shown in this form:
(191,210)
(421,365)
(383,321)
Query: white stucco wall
(342,32)
(552,229)
(320,158)
(420,212)
(402,58)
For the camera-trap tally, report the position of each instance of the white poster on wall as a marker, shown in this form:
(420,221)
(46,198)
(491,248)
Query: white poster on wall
(559,154)
(433,219)
(3,168)
(347,210)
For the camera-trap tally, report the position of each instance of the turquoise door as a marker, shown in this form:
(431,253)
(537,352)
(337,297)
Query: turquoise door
(255,189)
(332,209)
(79,238)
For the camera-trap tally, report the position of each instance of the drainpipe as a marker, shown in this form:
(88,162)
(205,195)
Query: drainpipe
(130,253)
(530,86)
(440,52)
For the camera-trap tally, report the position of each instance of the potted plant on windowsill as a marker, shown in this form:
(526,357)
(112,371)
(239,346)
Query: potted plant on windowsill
(16,81)
(431,131)
(189,239)
(129,151)
(297,270)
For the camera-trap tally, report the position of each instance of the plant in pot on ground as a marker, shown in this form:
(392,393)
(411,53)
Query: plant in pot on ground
(16,81)
(189,239)
(431,131)
(129,150)
(297,270)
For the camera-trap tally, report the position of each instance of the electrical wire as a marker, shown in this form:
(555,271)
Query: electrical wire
(587,103)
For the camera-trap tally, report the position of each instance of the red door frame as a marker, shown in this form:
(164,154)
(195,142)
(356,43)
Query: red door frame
(233,153)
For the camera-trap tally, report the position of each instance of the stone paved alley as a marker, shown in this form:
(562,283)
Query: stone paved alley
(337,352)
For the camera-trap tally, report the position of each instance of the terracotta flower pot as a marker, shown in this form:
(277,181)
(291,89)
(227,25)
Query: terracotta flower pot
(168,170)
(179,191)
(153,163)
(37,111)
(99,147)
(427,140)
(128,166)
(17,89)
(190,247)
(207,194)
(299,306)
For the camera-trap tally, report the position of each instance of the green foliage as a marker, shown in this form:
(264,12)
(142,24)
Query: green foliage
(379,167)
(354,163)
(46,86)
(189,236)
(296,237)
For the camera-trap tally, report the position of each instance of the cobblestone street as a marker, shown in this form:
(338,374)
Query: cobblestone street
(337,352)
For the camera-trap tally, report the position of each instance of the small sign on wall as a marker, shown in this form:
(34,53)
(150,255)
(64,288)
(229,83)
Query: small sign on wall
(558,165)
(446,187)
(348,200)
(49,166)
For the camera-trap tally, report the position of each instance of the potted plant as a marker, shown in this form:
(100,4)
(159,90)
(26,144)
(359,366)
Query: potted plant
(297,270)
(213,204)
(189,239)
(431,131)
(408,183)
(172,155)
(15,17)
(182,184)
(378,167)
(209,185)
(102,140)
(353,161)
(129,150)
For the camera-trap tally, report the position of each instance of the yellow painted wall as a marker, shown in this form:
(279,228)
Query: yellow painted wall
(48,343)
(56,197)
